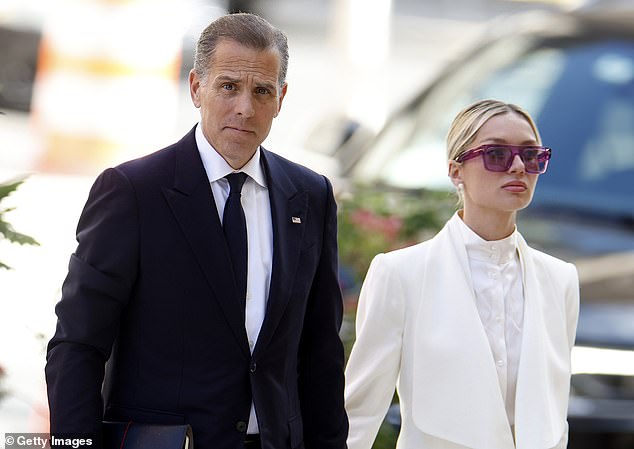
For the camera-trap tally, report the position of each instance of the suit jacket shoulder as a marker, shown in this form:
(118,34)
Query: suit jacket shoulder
(166,163)
(281,169)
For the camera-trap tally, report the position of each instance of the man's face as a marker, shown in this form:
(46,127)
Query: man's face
(238,99)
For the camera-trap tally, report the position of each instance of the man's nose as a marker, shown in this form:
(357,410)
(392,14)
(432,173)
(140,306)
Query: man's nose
(244,104)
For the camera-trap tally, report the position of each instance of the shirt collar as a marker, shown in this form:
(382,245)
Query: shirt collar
(217,168)
(494,251)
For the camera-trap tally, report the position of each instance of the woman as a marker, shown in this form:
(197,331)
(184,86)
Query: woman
(473,328)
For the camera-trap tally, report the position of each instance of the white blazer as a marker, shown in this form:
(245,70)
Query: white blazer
(418,329)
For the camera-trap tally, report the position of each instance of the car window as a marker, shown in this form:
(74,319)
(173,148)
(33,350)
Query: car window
(588,119)
(581,94)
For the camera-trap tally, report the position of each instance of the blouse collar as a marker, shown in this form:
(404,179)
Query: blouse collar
(495,251)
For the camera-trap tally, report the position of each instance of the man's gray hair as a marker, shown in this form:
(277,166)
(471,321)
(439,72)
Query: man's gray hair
(246,29)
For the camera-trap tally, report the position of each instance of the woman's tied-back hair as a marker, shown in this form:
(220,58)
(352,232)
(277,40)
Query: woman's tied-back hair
(469,121)
(246,29)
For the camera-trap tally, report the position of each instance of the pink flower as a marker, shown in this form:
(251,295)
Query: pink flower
(368,221)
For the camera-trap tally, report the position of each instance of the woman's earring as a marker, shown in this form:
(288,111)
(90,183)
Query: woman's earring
(460,187)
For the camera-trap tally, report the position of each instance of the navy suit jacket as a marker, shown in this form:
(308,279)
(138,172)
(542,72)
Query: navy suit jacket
(150,291)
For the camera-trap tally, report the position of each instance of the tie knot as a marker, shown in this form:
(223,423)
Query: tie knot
(236,180)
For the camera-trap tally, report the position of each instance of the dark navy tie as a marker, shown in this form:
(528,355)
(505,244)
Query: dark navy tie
(235,228)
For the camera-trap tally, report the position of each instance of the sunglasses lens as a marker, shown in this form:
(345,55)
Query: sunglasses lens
(497,158)
(535,159)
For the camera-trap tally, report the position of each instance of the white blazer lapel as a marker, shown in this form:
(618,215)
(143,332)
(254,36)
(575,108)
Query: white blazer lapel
(456,394)
(543,377)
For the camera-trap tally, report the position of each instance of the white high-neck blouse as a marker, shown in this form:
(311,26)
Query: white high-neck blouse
(497,280)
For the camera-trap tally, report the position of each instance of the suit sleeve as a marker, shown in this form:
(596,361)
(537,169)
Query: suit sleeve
(97,287)
(321,358)
(375,360)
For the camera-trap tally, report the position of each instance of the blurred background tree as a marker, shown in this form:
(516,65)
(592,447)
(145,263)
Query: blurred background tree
(8,233)
(376,219)
(6,230)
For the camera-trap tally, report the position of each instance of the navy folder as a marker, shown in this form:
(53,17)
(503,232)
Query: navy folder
(135,435)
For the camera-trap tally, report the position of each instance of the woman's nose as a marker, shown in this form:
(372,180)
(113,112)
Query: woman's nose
(517,165)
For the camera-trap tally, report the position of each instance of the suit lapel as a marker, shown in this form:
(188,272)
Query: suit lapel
(453,365)
(192,203)
(287,202)
(542,384)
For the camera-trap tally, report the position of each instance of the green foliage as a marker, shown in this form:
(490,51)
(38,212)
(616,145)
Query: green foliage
(6,230)
(386,438)
(373,220)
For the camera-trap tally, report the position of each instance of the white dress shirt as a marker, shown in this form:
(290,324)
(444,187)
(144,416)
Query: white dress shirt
(497,280)
(257,211)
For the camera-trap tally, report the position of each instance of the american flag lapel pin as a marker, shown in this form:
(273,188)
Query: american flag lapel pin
(296,220)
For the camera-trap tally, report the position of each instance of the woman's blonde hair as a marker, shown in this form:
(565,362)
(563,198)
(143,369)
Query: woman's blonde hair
(469,121)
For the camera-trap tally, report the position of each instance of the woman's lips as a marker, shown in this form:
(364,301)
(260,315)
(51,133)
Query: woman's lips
(515,186)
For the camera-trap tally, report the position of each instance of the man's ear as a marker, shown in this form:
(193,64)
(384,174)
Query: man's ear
(281,98)
(194,86)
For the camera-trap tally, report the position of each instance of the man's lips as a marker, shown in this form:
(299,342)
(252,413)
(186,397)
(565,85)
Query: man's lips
(238,129)
(515,186)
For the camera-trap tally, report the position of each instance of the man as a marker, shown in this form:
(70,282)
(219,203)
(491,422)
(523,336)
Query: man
(246,351)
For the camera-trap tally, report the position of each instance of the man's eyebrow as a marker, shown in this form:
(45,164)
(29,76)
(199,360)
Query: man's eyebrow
(231,79)
(267,85)
(234,80)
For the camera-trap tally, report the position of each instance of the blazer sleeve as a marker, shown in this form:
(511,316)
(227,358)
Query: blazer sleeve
(572,304)
(321,354)
(100,277)
(374,363)
(572,318)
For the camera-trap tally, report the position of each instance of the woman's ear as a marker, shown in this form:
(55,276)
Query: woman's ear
(455,172)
